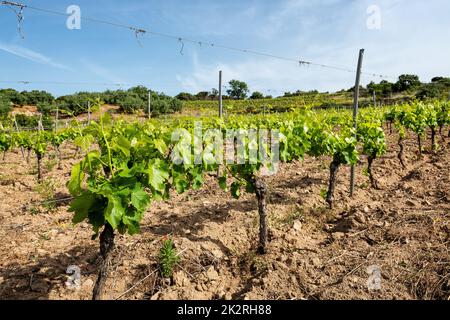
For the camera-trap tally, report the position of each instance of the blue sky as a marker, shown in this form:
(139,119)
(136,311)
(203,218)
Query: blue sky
(413,38)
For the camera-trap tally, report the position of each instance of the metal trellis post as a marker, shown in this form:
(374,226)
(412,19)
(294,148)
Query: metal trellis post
(149,104)
(355,115)
(220,95)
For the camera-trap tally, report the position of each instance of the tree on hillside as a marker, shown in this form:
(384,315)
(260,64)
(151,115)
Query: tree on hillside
(441,81)
(438,88)
(428,91)
(202,95)
(14,96)
(238,90)
(386,88)
(437,79)
(214,94)
(185,96)
(362,91)
(45,108)
(140,91)
(35,97)
(373,87)
(75,104)
(407,82)
(131,103)
(5,106)
(256,95)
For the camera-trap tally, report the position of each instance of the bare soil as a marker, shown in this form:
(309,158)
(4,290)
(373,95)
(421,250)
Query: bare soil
(314,252)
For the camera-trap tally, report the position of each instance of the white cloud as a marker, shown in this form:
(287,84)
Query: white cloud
(408,42)
(32,56)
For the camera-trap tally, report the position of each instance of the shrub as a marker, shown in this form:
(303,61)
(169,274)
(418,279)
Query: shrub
(13,96)
(130,103)
(5,107)
(33,121)
(35,97)
(162,104)
(428,92)
(45,108)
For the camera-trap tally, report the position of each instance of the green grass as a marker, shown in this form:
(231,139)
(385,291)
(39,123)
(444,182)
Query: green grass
(46,191)
(291,217)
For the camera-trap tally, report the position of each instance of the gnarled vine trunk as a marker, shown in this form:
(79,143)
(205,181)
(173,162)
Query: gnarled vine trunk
(58,150)
(400,153)
(419,140)
(370,161)
(441,133)
(261,191)
(334,168)
(77,152)
(39,167)
(106,248)
(433,139)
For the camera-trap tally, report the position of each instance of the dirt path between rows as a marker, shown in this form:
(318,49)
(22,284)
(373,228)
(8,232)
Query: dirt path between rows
(400,233)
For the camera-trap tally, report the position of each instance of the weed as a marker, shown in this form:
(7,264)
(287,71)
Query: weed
(52,156)
(34,210)
(6,181)
(323,166)
(323,193)
(258,265)
(168,258)
(365,172)
(50,164)
(364,185)
(44,236)
(291,217)
(46,190)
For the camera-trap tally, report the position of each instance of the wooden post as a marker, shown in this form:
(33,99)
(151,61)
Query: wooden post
(374,98)
(220,95)
(355,114)
(56,118)
(40,126)
(15,124)
(89,112)
(219,168)
(261,195)
(149,104)
(22,150)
